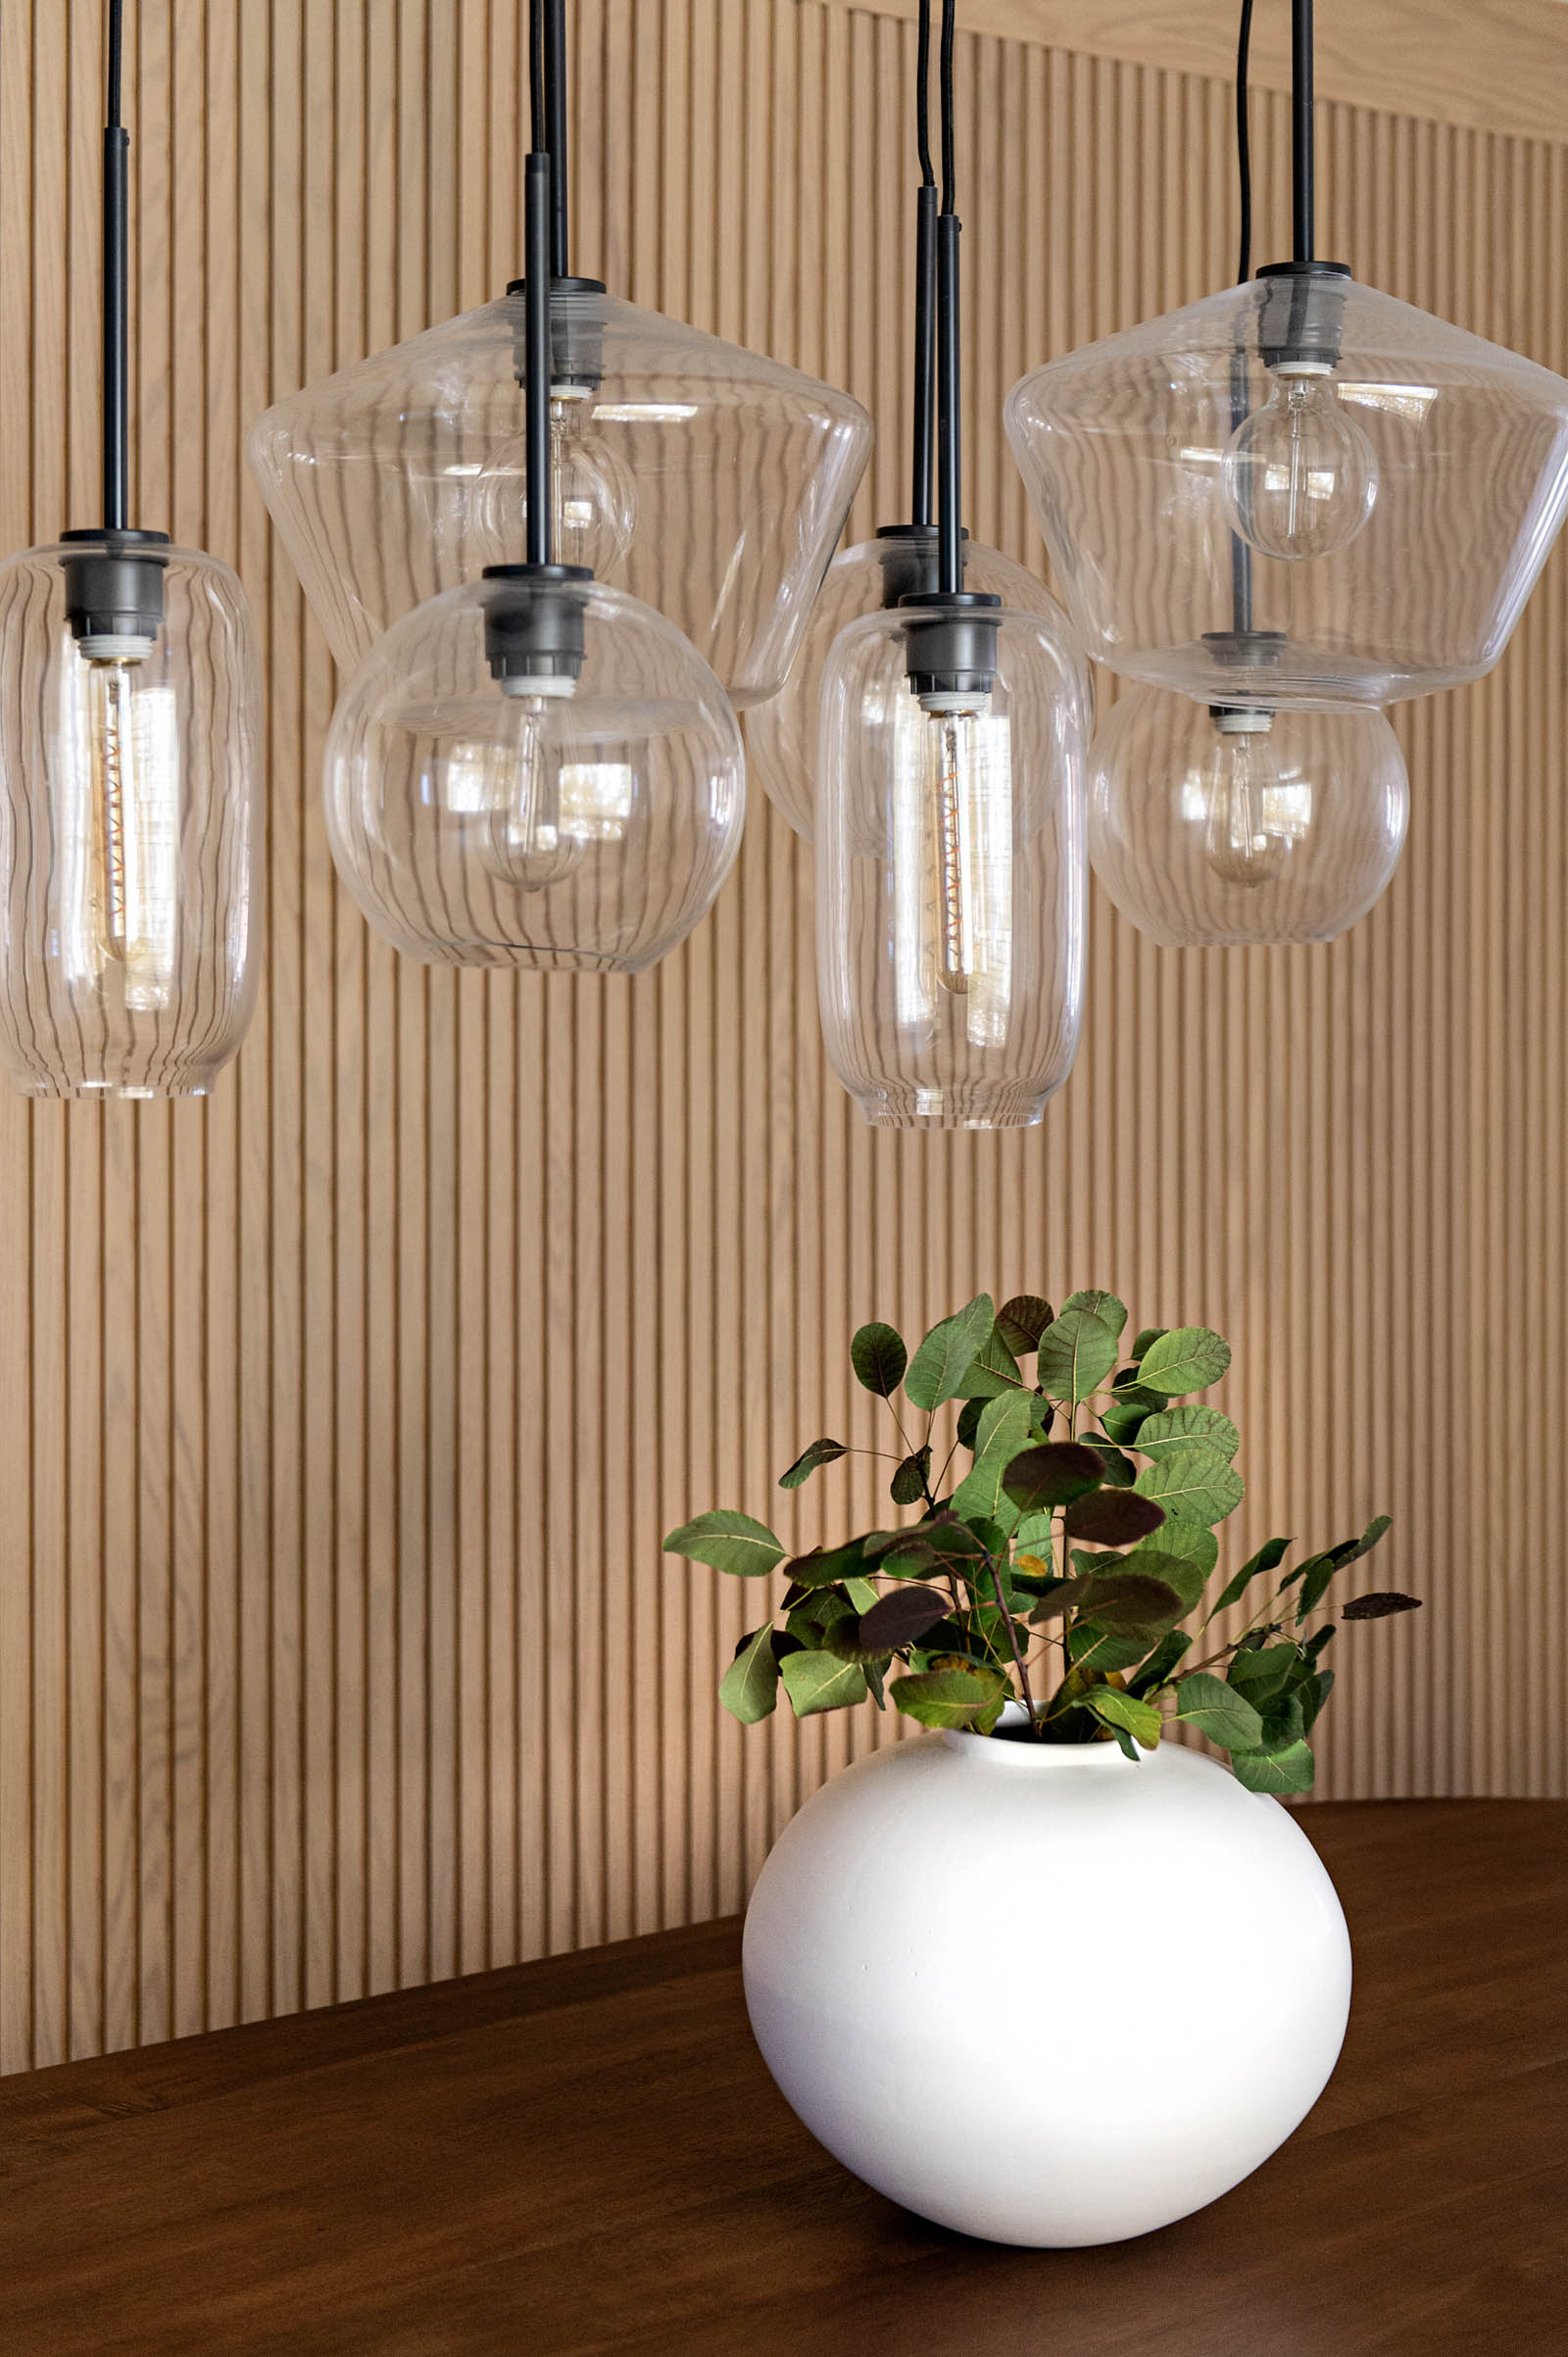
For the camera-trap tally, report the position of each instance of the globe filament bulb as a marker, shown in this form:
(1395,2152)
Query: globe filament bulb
(1298,478)
(1246,837)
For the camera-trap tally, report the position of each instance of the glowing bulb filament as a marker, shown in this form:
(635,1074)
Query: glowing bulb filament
(956,965)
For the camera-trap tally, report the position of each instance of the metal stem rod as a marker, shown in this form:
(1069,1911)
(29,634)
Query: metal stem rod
(925,353)
(117,208)
(536,345)
(555,65)
(1303,191)
(950,457)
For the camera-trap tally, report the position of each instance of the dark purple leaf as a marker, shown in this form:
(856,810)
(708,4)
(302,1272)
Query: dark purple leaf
(1021,1322)
(1379,1605)
(896,1620)
(1051,1475)
(1113,1517)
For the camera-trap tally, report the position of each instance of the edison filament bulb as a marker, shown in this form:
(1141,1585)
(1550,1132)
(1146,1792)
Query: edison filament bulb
(1250,824)
(1300,477)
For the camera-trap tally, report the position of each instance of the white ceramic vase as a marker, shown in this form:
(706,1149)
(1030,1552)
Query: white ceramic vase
(1042,1992)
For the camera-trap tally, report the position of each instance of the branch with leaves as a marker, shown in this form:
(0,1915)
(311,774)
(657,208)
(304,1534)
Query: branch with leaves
(1066,1569)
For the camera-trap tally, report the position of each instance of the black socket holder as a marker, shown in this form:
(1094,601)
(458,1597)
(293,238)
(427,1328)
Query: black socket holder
(1238,648)
(576,335)
(115,589)
(534,620)
(1301,316)
(951,642)
(908,555)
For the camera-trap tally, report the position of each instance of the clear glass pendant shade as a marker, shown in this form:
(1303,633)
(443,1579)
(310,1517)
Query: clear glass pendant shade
(477,822)
(781,734)
(1210,829)
(951,879)
(1398,488)
(701,478)
(131,830)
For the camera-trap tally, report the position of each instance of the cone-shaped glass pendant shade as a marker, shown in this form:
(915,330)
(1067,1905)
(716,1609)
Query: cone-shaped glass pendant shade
(1397,482)
(702,478)
(130,836)
(951,879)
(1212,828)
(512,819)
(781,734)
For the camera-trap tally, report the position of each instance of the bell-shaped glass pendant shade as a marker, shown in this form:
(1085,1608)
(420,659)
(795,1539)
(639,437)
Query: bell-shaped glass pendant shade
(482,815)
(870,578)
(951,879)
(1392,483)
(704,479)
(131,830)
(1211,828)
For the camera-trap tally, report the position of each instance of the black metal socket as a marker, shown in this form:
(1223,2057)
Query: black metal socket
(1301,318)
(951,642)
(115,589)
(1237,649)
(534,625)
(909,555)
(576,335)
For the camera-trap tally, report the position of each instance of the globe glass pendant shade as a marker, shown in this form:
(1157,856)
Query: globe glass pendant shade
(950,880)
(1213,829)
(781,734)
(131,828)
(701,478)
(477,822)
(1396,481)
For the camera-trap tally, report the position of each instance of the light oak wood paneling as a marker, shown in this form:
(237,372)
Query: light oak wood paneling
(344,1412)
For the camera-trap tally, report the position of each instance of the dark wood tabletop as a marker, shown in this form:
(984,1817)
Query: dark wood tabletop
(586,2154)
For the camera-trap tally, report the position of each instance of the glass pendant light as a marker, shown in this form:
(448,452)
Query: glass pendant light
(707,480)
(131,838)
(951,873)
(1212,827)
(1398,481)
(532,769)
(873,577)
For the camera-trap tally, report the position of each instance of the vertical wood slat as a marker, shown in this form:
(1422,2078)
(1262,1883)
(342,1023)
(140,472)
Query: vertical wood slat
(346,1410)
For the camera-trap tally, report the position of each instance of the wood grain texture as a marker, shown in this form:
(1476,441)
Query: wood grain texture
(587,2155)
(346,1410)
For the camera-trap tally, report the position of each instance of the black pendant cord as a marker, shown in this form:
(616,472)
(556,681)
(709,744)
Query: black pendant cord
(1244,147)
(1303,195)
(536,380)
(1240,553)
(555,140)
(950,455)
(925,287)
(117,391)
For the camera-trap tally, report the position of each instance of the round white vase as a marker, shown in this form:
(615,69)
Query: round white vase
(1044,1994)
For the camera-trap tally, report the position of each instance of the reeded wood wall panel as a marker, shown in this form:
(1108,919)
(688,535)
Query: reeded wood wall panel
(344,1413)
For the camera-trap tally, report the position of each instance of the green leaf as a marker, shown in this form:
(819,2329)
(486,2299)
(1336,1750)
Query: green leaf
(1216,1710)
(1289,1771)
(1120,1471)
(1161,1663)
(878,1358)
(992,1372)
(1190,1422)
(1104,1651)
(1193,1541)
(1192,1478)
(818,1682)
(1316,1574)
(1177,1571)
(820,1452)
(813,1619)
(1143,1722)
(956,1551)
(1189,1358)
(1103,1305)
(1146,1340)
(748,1688)
(863,1594)
(1077,1351)
(1313,1695)
(1114,1517)
(1122,1424)
(969,1415)
(1284,1723)
(1128,1603)
(730,1541)
(825,1565)
(909,1477)
(949,1697)
(948,1352)
(1051,1475)
(1021,1321)
(1269,1557)
(1259,1673)
(1003,1435)
(910,1557)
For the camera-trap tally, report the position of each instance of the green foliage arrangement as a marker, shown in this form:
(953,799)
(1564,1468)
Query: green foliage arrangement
(1068,1567)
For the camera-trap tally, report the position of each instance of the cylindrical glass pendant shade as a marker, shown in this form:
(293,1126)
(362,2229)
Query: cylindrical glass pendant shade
(1393,482)
(781,734)
(478,822)
(131,828)
(704,480)
(950,880)
(1215,828)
